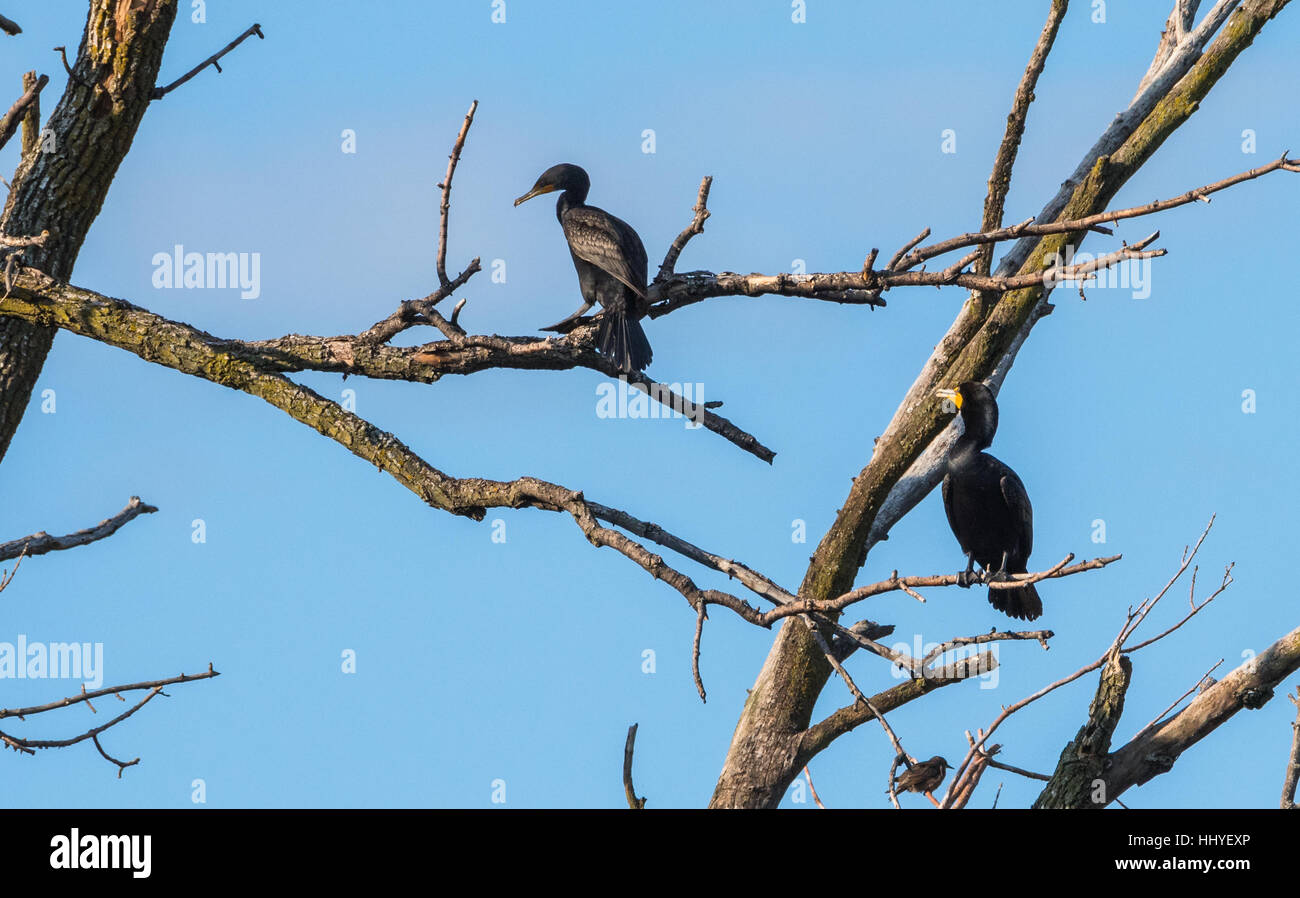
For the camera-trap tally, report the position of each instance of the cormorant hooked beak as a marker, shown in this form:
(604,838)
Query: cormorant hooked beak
(953,396)
(538,190)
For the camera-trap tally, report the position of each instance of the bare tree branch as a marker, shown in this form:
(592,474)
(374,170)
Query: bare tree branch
(1293,763)
(445,187)
(1028,774)
(121,765)
(1028,227)
(695,227)
(84,696)
(633,802)
(896,583)
(41,542)
(63,56)
(812,789)
(1177,27)
(32,118)
(155,687)
(213,60)
(7,576)
(1000,177)
(701,615)
(9,124)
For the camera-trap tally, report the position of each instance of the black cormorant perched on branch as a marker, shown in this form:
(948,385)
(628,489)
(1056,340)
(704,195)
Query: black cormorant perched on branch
(987,506)
(611,264)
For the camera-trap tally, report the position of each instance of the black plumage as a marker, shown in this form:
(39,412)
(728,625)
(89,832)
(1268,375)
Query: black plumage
(611,264)
(923,776)
(986,503)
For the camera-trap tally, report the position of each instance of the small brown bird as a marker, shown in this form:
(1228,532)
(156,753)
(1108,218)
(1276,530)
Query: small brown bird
(924,776)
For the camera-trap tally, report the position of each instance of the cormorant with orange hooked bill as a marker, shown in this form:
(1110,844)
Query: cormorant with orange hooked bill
(987,506)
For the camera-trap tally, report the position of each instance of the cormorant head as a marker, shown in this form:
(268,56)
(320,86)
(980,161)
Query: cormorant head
(978,408)
(564,176)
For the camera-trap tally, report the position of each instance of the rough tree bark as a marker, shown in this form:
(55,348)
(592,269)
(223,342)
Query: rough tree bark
(63,189)
(760,763)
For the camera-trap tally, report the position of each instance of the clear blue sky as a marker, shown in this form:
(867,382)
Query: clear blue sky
(522,661)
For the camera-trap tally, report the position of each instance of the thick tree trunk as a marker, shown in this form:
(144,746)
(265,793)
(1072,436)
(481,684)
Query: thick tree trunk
(765,747)
(62,185)
(760,762)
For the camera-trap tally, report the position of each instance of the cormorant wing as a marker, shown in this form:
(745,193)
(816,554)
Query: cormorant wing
(607,242)
(1018,501)
(949,511)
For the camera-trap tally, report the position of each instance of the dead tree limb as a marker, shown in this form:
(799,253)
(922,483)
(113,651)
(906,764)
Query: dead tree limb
(18,111)
(41,542)
(214,60)
(633,802)
(1293,762)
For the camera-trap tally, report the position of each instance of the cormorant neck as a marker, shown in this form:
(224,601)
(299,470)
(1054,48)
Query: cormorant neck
(570,199)
(980,423)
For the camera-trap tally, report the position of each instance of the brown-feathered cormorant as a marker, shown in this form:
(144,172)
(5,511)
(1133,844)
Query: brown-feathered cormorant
(923,776)
(987,506)
(611,264)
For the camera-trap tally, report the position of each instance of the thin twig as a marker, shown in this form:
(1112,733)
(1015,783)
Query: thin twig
(696,226)
(63,55)
(31,746)
(904,250)
(9,124)
(84,696)
(445,207)
(811,788)
(1027,773)
(6,577)
(121,765)
(700,616)
(1174,704)
(1028,228)
(633,802)
(897,583)
(213,60)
